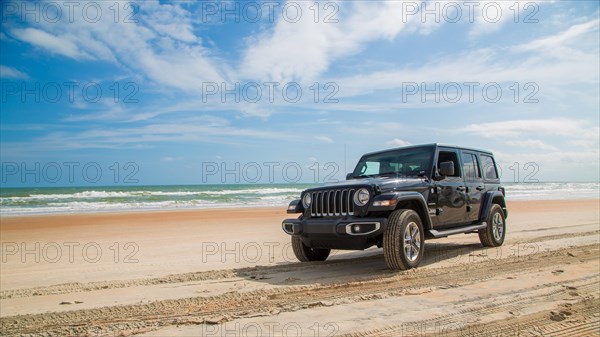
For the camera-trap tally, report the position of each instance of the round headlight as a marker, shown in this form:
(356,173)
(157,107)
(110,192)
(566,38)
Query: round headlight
(361,197)
(306,200)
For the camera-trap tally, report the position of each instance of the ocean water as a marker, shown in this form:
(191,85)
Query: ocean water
(24,201)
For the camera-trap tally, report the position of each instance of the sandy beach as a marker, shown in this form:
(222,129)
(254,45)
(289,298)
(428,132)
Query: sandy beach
(206,272)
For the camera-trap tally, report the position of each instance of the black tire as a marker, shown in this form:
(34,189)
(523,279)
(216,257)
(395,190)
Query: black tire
(493,235)
(395,251)
(306,254)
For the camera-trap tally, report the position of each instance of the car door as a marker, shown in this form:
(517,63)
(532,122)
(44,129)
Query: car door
(450,192)
(473,183)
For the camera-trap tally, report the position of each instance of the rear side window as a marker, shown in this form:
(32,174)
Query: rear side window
(489,167)
(471,166)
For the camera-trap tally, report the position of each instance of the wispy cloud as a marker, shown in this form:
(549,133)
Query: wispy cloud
(523,63)
(12,73)
(161,46)
(60,45)
(148,136)
(324,139)
(303,50)
(490,16)
(398,142)
(515,128)
(531,144)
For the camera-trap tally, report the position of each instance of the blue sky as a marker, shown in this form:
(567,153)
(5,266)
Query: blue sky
(90,84)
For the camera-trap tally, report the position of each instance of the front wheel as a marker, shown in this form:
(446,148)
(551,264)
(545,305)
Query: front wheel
(403,240)
(305,254)
(493,235)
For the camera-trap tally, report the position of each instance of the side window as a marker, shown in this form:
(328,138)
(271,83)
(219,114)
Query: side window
(449,156)
(471,166)
(489,167)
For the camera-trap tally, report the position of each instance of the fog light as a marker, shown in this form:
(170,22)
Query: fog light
(362,228)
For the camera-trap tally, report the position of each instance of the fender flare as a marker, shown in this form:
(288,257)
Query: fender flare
(488,201)
(401,197)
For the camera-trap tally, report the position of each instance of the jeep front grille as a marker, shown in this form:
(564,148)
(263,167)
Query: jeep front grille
(332,203)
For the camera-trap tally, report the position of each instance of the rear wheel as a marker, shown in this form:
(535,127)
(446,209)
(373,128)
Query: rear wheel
(403,240)
(305,254)
(493,235)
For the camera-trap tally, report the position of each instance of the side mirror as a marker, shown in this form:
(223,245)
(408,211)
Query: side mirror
(446,168)
(349,176)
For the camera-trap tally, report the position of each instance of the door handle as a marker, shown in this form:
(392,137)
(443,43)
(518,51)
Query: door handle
(461,188)
(480,188)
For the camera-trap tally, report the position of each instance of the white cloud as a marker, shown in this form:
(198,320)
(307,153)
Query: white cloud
(324,139)
(8,72)
(516,128)
(398,142)
(169,159)
(170,20)
(569,165)
(189,131)
(561,40)
(161,46)
(61,45)
(303,50)
(491,15)
(571,55)
(566,135)
(531,144)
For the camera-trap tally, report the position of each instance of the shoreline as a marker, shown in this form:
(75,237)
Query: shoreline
(137,211)
(83,200)
(234,207)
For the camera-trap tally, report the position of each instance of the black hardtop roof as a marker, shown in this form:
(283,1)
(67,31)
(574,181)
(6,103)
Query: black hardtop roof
(432,145)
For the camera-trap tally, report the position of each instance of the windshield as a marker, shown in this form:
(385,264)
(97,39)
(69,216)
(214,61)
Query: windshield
(403,162)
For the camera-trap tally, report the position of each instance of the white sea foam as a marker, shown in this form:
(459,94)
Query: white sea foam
(195,197)
(92,194)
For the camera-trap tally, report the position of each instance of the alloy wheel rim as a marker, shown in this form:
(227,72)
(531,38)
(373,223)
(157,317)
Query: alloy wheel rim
(412,241)
(497,226)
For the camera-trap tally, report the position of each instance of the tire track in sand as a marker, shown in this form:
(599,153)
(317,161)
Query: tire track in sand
(136,318)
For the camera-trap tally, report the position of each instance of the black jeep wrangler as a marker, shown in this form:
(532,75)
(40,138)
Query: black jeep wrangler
(396,199)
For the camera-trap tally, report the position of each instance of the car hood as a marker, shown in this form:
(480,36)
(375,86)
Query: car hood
(386,184)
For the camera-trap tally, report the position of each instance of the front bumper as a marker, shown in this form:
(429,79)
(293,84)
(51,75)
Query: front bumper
(337,233)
